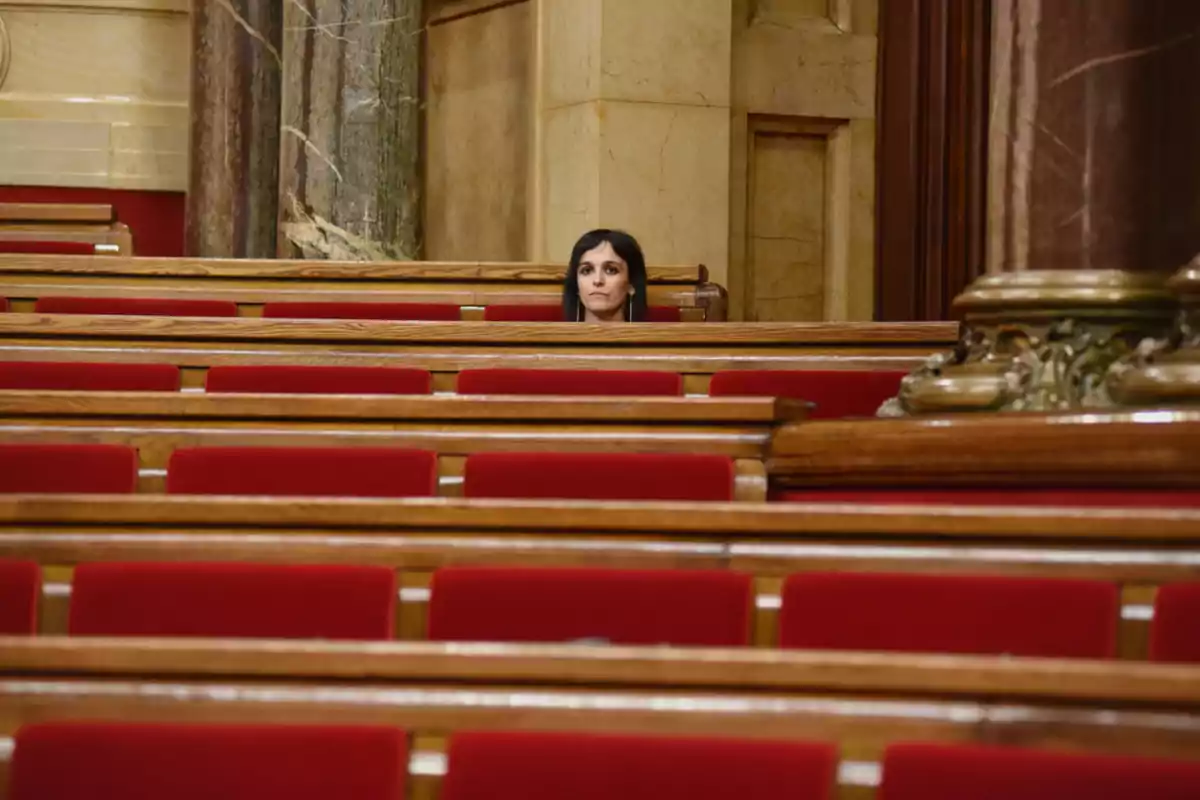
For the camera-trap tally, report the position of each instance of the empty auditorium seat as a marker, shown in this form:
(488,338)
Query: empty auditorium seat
(633,607)
(445,312)
(89,377)
(968,614)
(318,380)
(311,471)
(136,306)
(1087,497)
(835,393)
(233,600)
(599,476)
(585,766)
(20,588)
(122,760)
(49,248)
(927,771)
(569,382)
(1175,634)
(68,468)
(544,312)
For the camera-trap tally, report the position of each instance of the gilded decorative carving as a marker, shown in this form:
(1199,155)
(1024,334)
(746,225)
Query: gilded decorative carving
(1165,371)
(1038,341)
(5,52)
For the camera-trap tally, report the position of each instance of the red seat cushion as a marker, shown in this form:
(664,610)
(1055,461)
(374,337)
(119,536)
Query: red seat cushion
(1076,497)
(446,312)
(920,771)
(20,588)
(599,476)
(318,380)
(40,247)
(569,382)
(677,607)
(129,761)
(980,614)
(310,471)
(87,377)
(1175,635)
(836,393)
(68,468)
(136,306)
(664,314)
(582,766)
(233,600)
(544,312)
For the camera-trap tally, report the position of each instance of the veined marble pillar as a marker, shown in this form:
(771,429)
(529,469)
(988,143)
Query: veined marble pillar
(632,127)
(234,142)
(350,180)
(1094,200)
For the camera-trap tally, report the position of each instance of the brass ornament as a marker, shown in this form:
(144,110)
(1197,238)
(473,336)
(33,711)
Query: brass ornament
(1038,341)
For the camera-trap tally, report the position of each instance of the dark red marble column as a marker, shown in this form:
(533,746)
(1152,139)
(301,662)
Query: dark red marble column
(1095,135)
(234,149)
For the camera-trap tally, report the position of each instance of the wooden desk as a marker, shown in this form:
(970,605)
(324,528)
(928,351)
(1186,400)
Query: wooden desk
(695,350)
(251,282)
(863,701)
(64,222)
(1136,548)
(454,426)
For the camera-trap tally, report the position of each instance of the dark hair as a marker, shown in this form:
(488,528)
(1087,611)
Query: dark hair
(628,249)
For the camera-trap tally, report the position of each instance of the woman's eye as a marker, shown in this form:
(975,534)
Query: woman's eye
(585,270)
(611,270)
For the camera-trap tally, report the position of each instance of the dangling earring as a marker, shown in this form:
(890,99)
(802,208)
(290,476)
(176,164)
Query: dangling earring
(629,309)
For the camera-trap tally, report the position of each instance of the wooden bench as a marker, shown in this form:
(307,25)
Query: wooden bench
(862,701)
(250,283)
(94,224)
(695,350)
(1139,549)
(454,426)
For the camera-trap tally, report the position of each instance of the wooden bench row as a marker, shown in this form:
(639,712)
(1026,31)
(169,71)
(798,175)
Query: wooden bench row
(250,283)
(40,227)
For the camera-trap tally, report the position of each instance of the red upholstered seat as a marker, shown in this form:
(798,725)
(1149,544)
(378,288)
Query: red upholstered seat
(233,600)
(836,393)
(3,304)
(569,382)
(20,588)
(972,614)
(1088,497)
(445,312)
(599,476)
(68,468)
(1175,634)
(89,377)
(583,766)
(318,380)
(920,771)
(677,607)
(129,761)
(311,471)
(51,248)
(545,312)
(664,314)
(136,306)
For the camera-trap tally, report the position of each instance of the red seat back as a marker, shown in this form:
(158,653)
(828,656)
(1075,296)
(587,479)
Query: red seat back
(979,614)
(582,766)
(919,771)
(122,761)
(445,312)
(20,588)
(677,607)
(68,468)
(1089,497)
(569,382)
(89,377)
(599,476)
(303,471)
(1175,634)
(836,393)
(136,306)
(317,380)
(46,247)
(233,600)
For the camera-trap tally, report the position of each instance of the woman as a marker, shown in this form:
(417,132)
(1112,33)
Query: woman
(606,280)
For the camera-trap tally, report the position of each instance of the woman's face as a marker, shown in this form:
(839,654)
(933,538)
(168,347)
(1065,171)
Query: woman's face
(603,284)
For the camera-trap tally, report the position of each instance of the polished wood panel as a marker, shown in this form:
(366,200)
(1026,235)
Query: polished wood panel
(56,212)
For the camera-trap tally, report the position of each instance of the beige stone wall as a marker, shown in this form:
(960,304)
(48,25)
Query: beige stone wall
(95,93)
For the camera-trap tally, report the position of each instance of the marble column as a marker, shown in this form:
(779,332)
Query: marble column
(234,131)
(350,178)
(632,127)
